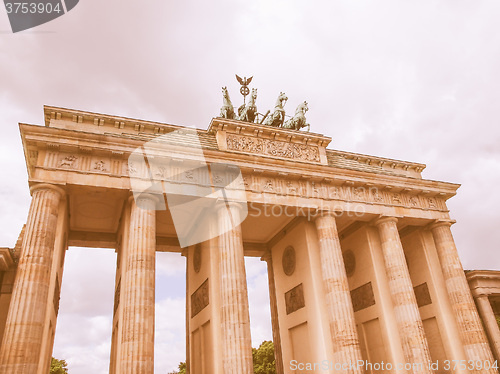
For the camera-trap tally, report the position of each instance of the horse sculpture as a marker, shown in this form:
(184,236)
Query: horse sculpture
(298,121)
(278,116)
(248,112)
(227,110)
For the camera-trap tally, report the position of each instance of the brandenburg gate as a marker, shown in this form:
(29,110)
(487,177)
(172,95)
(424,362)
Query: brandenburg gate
(363,269)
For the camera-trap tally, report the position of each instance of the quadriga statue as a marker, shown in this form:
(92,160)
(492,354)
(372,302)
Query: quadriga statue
(248,112)
(227,110)
(278,117)
(298,121)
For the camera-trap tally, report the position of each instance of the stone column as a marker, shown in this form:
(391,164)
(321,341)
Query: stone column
(490,323)
(338,298)
(411,329)
(278,354)
(138,289)
(22,340)
(235,317)
(185,253)
(469,325)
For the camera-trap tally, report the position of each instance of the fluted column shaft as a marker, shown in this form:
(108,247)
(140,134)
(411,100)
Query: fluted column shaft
(338,298)
(138,290)
(490,322)
(22,341)
(410,326)
(469,325)
(278,353)
(237,343)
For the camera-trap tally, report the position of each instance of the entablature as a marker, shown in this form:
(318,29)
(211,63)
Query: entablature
(484,282)
(299,170)
(235,136)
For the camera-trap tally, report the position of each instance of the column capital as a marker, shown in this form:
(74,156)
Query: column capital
(325,213)
(146,196)
(47,186)
(221,203)
(439,223)
(156,200)
(384,219)
(482,295)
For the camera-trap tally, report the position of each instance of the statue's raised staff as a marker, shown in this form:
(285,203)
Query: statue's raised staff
(248,112)
(227,110)
(277,118)
(298,121)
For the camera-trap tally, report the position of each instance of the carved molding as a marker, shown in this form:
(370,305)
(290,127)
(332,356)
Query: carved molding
(281,184)
(328,191)
(272,148)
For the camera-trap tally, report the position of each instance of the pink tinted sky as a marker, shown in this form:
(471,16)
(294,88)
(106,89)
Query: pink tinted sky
(416,81)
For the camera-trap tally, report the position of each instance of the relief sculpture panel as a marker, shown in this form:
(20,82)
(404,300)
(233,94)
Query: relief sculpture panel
(199,299)
(274,148)
(294,299)
(362,297)
(280,184)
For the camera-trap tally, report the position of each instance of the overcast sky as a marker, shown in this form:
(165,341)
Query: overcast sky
(416,81)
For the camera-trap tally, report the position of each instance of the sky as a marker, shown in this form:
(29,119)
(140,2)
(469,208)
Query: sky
(414,80)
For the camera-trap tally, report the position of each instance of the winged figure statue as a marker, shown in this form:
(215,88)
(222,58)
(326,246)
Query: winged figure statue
(244,81)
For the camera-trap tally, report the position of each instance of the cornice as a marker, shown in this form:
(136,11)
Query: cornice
(106,120)
(144,128)
(483,274)
(67,141)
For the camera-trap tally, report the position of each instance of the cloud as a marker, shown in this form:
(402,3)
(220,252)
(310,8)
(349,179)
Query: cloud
(170,334)
(83,331)
(258,299)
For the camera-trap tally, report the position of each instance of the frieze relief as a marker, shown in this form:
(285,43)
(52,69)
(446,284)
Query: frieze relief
(131,169)
(273,148)
(200,299)
(100,166)
(257,181)
(347,192)
(68,161)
